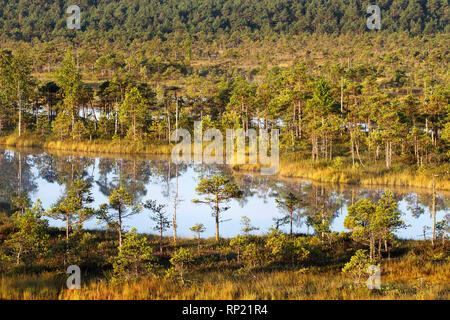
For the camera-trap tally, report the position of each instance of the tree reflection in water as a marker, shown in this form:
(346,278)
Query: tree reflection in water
(320,206)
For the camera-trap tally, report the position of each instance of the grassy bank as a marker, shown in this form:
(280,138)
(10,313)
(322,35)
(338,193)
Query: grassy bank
(375,175)
(337,172)
(28,141)
(97,146)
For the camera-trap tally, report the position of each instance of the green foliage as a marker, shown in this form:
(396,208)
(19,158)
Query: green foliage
(217,190)
(134,259)
(20,202)
(120,206)
(43,125)
(220,188)
(30,240)
(443,228)
(85,249)
(61,125)
(247,228)
(133,112)
(181,259)
(372,222)
(283,249)
(69,80)
(169,19)
(238,243)
(73,207)
(15,83)
(251,255)
(198,228)
(289,203)
(357,266)
(79,131)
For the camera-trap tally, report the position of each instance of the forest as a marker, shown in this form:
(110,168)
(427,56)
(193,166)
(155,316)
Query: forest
(382,111)
(127,20)
(353,106)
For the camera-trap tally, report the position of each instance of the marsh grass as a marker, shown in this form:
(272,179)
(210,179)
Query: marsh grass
(26,141)
(277,285)
(45,285)
(417,270)
(95,146)
(292,165)
(374,175)
(116,147)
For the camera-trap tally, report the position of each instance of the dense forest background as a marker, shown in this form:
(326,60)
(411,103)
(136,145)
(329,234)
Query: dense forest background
(210,19)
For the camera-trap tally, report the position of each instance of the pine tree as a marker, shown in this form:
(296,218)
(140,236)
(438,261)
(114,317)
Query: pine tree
(217,190)
(120,206)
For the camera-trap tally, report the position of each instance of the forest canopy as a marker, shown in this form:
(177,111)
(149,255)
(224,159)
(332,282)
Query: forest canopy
(207,19)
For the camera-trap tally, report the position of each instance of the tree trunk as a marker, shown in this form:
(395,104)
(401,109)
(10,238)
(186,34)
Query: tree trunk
(434,210)
(290,232)
(67,227)
(116,120)
(217,220)
(174,219)
(134,125)
(160,238)
(352,144)
(19,99)
(120,228)
(18,255)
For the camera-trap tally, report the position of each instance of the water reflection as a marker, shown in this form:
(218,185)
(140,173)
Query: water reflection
(45,175)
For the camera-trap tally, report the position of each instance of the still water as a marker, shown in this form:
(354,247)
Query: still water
(43,176)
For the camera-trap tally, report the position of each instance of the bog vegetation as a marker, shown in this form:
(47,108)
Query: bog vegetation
(352,106)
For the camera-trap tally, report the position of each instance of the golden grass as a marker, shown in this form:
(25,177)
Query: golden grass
(419,272)
(348,175)
(118,147)
(27,141)
(31,286)
(97,146)
(400,280)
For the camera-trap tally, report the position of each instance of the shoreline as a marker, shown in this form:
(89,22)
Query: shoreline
(289,169)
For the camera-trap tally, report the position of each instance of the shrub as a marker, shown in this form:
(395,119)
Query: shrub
(134,258)
(357,266)
(180,260)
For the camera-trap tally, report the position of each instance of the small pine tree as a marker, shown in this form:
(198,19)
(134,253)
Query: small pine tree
(160,218)
(73,207)
(79,131)
(42,125)
(61,125)
(251,256)
(198,228)
(134,259)
(289,204)
(120,202)
(30,239)
(246,226)
(20,202)
(357,266)
(217,191)
(282,248)
(181,260)
(238,243)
